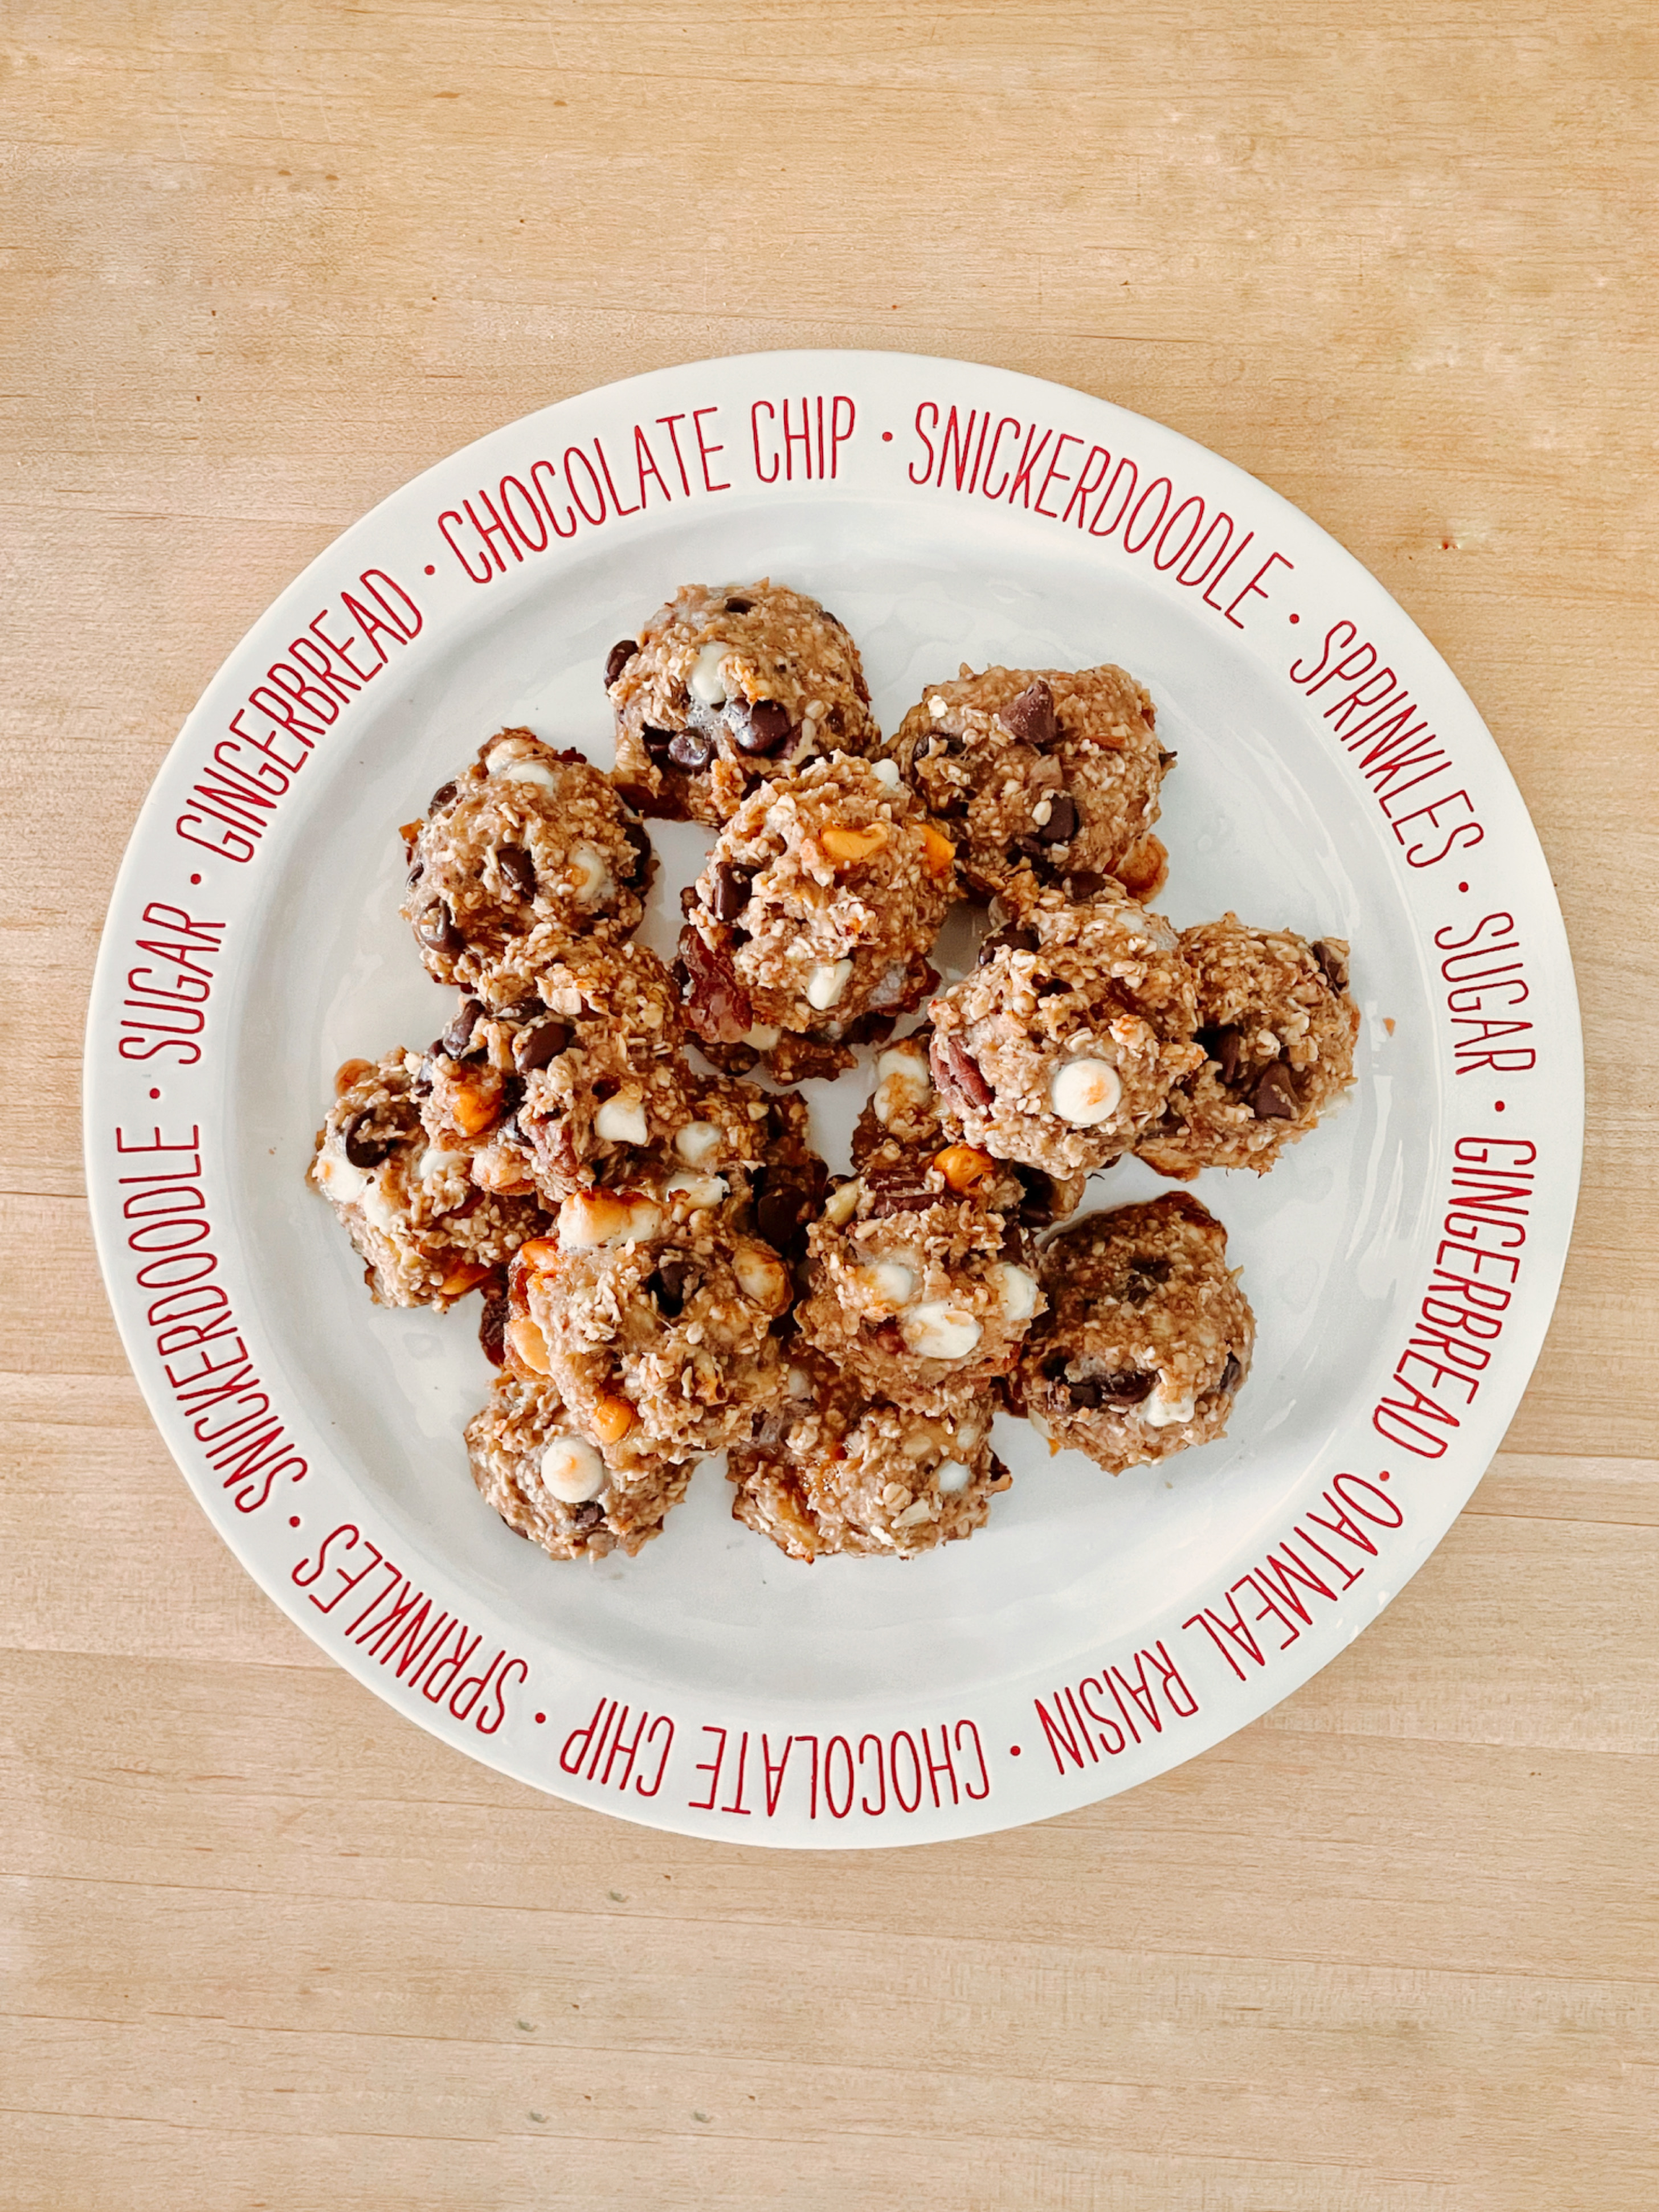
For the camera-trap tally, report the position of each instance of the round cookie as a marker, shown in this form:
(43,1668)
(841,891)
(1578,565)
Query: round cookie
(814,915)
(1147,1337)
(1278,1027)
(1044,776)
(412,1210)
(725,688)
(524,854)
(1061,1047)
(655,1318)
(548,1480)
(917,1282)
(831,1471)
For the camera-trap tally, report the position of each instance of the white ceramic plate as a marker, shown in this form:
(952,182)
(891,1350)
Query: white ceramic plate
(1402,1261)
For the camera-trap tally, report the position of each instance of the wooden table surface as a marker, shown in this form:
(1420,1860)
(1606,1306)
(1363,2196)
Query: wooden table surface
(1393,1948)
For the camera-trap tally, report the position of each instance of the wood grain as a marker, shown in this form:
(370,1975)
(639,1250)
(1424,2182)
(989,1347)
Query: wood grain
(1391,1950)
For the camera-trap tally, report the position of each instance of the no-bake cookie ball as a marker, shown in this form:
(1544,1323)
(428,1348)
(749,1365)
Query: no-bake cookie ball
(815,915)
(1044,776)
(524,854)
(656,1320)
(1061,1047)
(547,1478)
(427,1231)
(1278,1027)
(728,687)
(919,1282)
(831,1471)
(1147,1337)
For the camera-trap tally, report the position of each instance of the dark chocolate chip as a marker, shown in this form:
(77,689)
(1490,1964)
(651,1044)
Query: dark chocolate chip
(441,797)
(740,606)
(642,851)
(656,742)
(542,1041)
(1165,761)
(674,1281)
(1157,1266)
(1086,883)
(588,1516)
(762,729)
(457,1037)
(1036,1205)
(1232,1375)
(732,889)
(1223,1046)
(618,658)
(1274,1098)
(366,1146)
(690,750)
(789,1199)
(1014,937)
(1087,1394)
(436,929)
(890,1337)
(965,1073)
(1127,1387)
(492,1323)
(1061,826)
(1030,716)
(518,871)
(1331,965)
(414,874)
(521,1010)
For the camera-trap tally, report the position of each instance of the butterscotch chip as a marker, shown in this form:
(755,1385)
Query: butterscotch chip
(545,1475)
(1147,1338)
(830,1471)
(1041,776)
(1276,1026)
(1061,1049)
(527,852)
(727,688)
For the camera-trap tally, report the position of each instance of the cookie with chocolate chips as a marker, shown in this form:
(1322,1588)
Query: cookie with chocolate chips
(1277,1024)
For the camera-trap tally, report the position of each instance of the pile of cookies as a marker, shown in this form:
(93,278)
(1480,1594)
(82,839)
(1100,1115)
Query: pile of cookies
(666,1268)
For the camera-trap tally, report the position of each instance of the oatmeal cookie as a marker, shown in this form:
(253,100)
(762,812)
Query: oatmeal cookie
(830,1471)
(428,1232)
(1061,1049)
(1043,776)
(814,916)
(527,852)
(657,1319)
(548,1480)
(918,1280)
(1147,1338)
(1278,1027)
(580,1084)
(727,688)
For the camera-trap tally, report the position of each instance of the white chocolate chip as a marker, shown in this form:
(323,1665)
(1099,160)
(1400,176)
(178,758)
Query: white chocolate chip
(706,682)
(589,1219)
(761,1038)
(936,707)
(572,1469)
(800,1382)
(434,1161)
(1041,812)
(527,771)
(1084,1092)
(886,771)
(700,1191)
(913,1516)
(343,1183)
(1161,1411)
(827,983)
(938,1331)
(621,1120)
(698,1142)
(843,1204)
(762,1277)
(952,1476)
(1016,1286)
(592,876)
(893,1283)
(377,1209)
